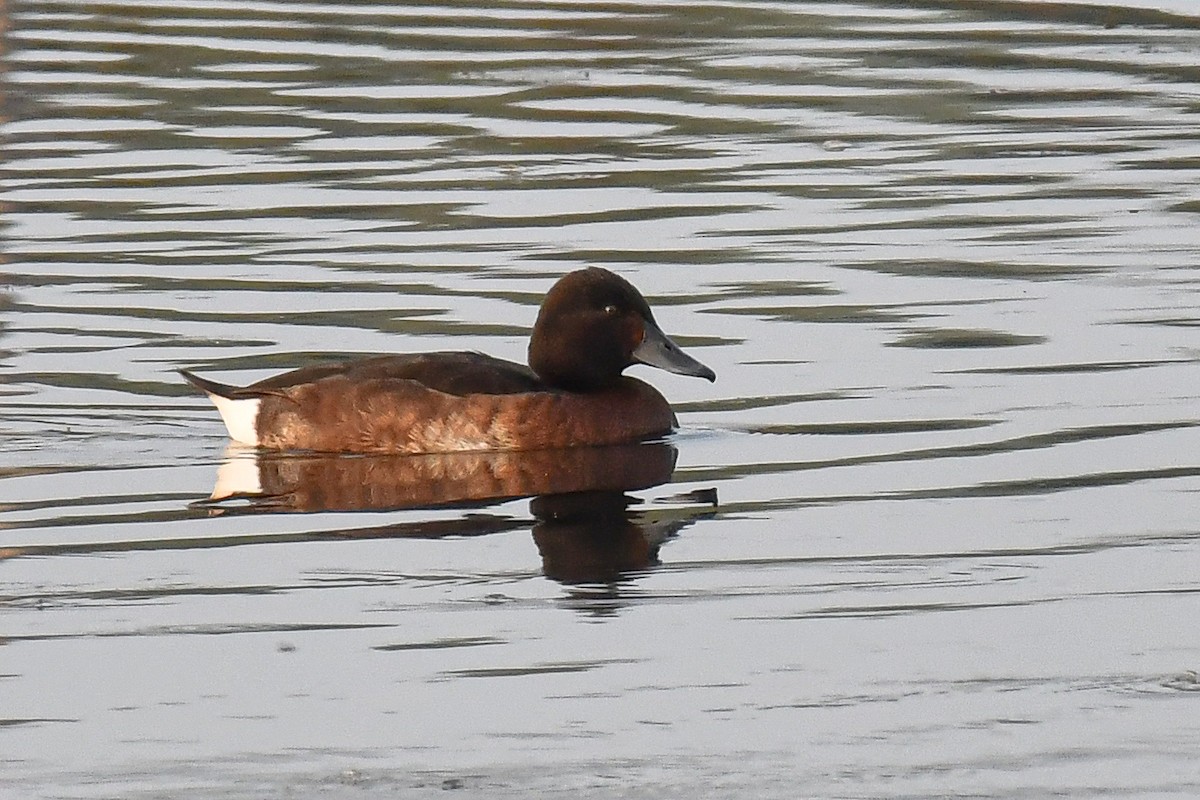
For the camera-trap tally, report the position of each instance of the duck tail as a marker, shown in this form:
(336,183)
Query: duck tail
(207,386)
(239,412)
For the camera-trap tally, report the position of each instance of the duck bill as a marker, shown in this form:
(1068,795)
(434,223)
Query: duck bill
(657,350)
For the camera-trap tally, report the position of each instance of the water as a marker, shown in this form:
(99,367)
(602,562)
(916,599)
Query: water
(932,532)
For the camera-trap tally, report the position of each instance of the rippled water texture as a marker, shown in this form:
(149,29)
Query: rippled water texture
(933,532)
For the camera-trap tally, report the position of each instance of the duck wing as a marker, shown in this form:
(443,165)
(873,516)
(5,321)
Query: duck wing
(456,373)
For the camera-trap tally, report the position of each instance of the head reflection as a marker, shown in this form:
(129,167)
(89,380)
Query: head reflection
(585,525)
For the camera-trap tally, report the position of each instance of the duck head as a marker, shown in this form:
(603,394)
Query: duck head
(592,325)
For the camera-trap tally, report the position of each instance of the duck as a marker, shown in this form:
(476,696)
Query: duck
(592,325)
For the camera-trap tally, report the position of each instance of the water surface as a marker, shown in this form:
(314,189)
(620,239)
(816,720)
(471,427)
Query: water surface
(932,532)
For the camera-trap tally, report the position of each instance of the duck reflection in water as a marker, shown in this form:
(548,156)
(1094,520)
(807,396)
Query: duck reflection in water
(584,523)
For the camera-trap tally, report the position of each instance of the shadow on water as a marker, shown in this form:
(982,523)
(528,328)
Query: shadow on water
(583,525)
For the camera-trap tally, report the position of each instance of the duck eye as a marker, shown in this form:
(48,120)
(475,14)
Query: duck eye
(611,310)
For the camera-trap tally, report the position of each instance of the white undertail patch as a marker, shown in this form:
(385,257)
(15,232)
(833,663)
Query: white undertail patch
(240,416)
